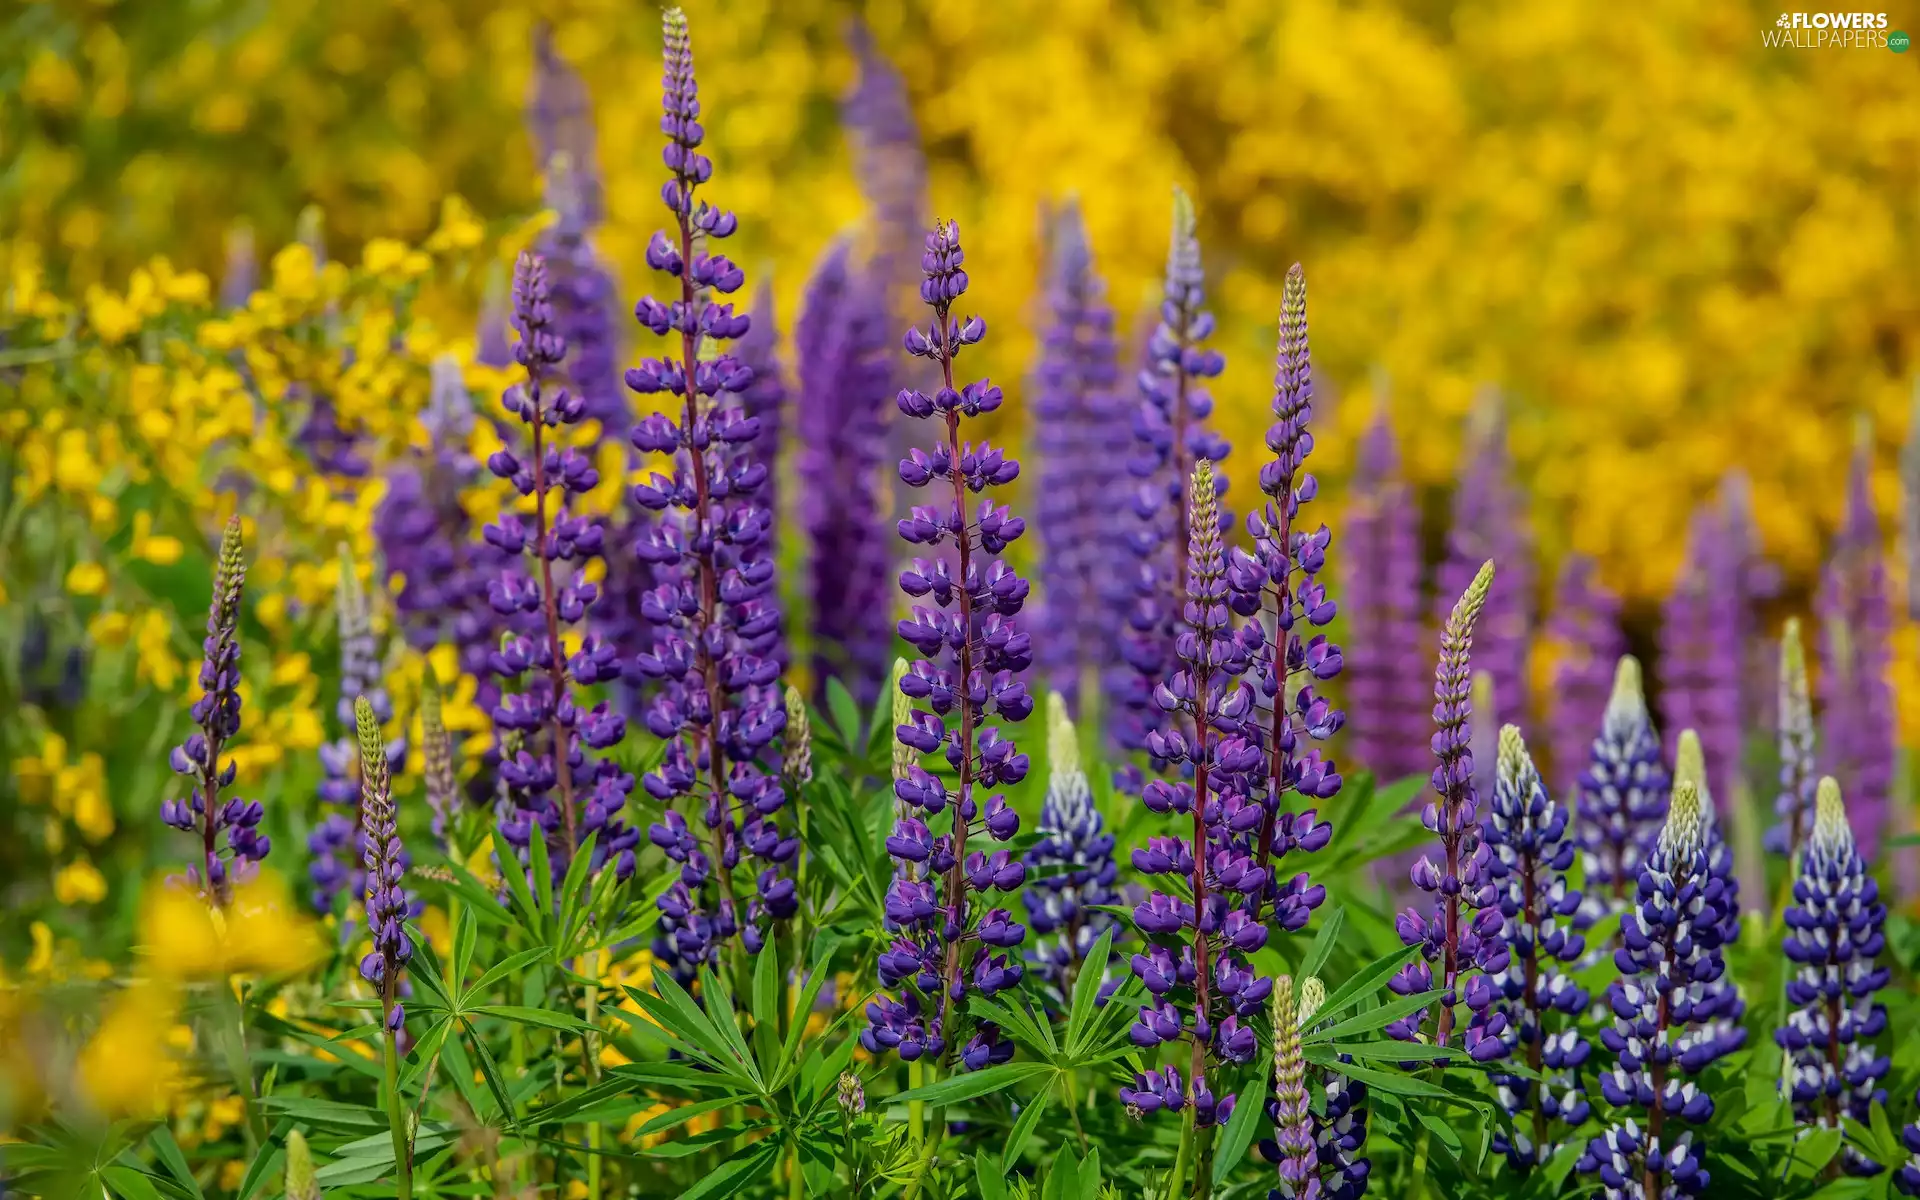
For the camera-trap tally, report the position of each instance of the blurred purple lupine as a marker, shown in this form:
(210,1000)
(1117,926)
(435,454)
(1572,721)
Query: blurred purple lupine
(242,268)
(715,661)
(1623,798)
(554,787)
(584,297)
(1910,505)
(438,770)
(331,447)
(1793,805)
(765,399)
(217,714)
(1170,437)
(1585,629)
(1386,656)
(1670,946)
(973,655)
(384,865)
(1463,933)
(892,164)
(1834,939)
(1531,857)
(1703,659)
(1201,947)
(1856,697)
(843,345)
(560,122)
(1759,584)
(1078,491)
(1489,522)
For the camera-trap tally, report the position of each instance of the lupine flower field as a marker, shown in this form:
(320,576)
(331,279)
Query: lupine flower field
(532,711)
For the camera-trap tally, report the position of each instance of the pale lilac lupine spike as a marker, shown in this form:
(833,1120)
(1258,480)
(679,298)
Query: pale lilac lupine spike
(1385,671)
(1489,521)
(1584,626)
(1703,659)
(1857,699)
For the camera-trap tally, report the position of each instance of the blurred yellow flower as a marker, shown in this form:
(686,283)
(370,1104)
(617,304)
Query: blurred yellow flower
(87,579)
(79,882)
(262,930)
(76,789)
(153,645)
(129,1068)
(161,549)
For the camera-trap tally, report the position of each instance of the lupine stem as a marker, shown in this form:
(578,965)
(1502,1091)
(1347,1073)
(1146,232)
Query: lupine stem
(396,1111)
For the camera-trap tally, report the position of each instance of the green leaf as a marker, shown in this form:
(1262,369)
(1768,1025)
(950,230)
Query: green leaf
(766,1009)
(515,877)
(845,713)
(790,1047)
(1323,944)
(680,1115)
(129,1184)
(1023,1127)
(1373,1018)
(1365,981)
(1090,1175)
(545,1018)
(1395,1082)
(265,1165)
(954,1089)
(988,1176)
(717,1000)
(1086,988)
(1449,1140)
(331,1114)
(1248,1112)
(465,933)
(1397,1052)
(735,1175)
(1063,1177)
(511,965)
(490,1071)
(170,1157)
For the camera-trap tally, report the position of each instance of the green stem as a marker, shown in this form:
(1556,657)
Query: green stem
(796,1179)
(397,1119)
(1177,1179)
(590,1069)
(242,1070)
(1203,1163)
(916,1109)
(1417,1189)
(1073,1110)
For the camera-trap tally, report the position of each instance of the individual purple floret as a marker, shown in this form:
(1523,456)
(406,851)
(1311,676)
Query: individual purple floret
(553,784)
(217,714)
(1793,805)
(1834,939)
(1703,666)
(1170,437)
(1463,932)
(1079,493)
(972,657)
(1531,857)
(1670,948)
(1584,627)
(1623,798)
(384,865)
(714,668)
(1856,697)
(1489,522)
(844,345)
(1070,869)
(1386,654)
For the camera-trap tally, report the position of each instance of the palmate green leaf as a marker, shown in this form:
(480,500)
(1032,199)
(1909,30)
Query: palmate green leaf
(1365,982)
(693,1143)
(718,996)
(674,1011)
(544,1018)
(327,1114)
(1020,1024)
(737,1174)
(974,1083)
(1249,1112)
(574,888)
(681,1075)
(1086,988)
(515,877)
(676,1117)
(563,1111)
(1373,1018)
(168,1151)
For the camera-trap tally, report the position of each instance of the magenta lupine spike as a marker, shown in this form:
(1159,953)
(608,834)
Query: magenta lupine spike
(1076,402)
(714,667)
(1856,622)
(843,345)
(1386,655)
(1489,521)
(1703,661)
(972,657)
(560,121)
(1584,626)
(1463,933)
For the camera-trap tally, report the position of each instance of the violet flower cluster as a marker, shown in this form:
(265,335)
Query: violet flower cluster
(1623,798)
(1170,438)
(1070,869)
(1463,933)
(1670,949)
(1532,854)
(972,656)
(1834,940)
(1077,413)
(1584,628)
(1724,1032)
(1793,805)
(843,345)
(1320,1154)
(1489,522)
(384,863)
(714,665)
(1703,666)
(215,819)
(554,788)
(1856,697)
(1386,655)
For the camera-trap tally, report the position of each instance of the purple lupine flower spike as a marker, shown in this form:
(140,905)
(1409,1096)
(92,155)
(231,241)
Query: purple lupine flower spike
(1333,1165)
(1463,932)
(1489,522)
(1200,948)
(714,665)
(384,865)
(1910,505)
(438,770)
(1584,627)
(1531,857)
(1856,622)
(765,399)
(1793,806)
(1702,656)
(1670,947)
(1834,939)
(1292,1114)
(843,345)
(558,787)
(1075,404)
(1170,437)
(1623,798)
(1386,659)
(242,269)
(972,657)
(1071,868)
(583,295)
(204,812)
(560,121)
(892,164)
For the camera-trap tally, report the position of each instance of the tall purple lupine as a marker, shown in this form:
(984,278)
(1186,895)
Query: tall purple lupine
(555,789)
(1834,939)
(1585,629)
(1793,805)
(843,346)
(1703,660)
(1386,656)
(560,122)
(1170,437)
(1722,1033)
(1077,494)
(1280,580)
(217,714)
(1670,945)
(1532,854)
(715,660)
(584,295)
(1856,696)
(1075,851)
(383,866)
(1200,947)
(766,398)
(972,657)
(1623,798)
(892,164)
(1463,932)
(1489,522)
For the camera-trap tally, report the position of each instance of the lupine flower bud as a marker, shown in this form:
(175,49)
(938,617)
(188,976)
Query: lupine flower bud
(1330,1165)
(384,860)
(798,763)
(301,1184)
(1293,1118)
(851,1094)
